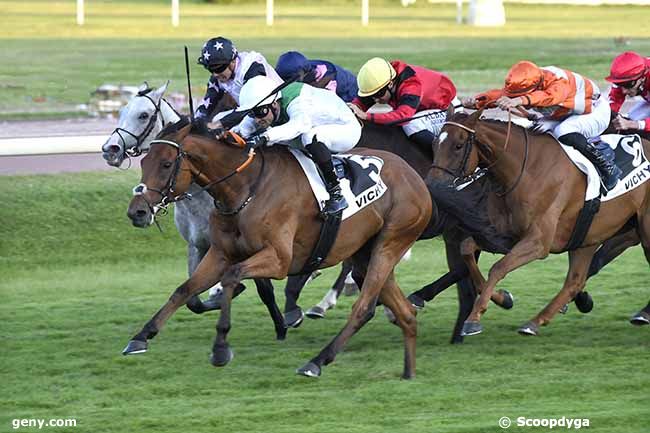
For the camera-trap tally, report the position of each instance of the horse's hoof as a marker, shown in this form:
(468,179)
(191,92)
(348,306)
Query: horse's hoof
(564,309)
(134,347)
(315,312)
(281,334)
(508,300)
(529,328)
(294,318)
(641,318)
(221,356)
(584,303)
(416,301)
(310,370)
(471,328)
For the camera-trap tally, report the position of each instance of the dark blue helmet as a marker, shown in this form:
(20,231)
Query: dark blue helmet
(216,52)
(290,63)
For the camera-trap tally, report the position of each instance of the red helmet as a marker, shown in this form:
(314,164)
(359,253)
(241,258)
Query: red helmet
(522,78)
(628,66)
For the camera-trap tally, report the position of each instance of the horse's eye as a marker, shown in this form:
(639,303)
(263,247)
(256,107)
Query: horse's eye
(143,116)
(167,164)
(459,145)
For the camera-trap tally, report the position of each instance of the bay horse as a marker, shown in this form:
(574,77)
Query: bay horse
(543,194)
(142,119)
(271,225)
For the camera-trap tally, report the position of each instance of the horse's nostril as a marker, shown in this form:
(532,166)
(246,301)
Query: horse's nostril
(141,213)
(114,148)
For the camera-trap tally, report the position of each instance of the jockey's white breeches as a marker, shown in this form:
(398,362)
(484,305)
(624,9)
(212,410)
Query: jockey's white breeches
(431,120)
(338,137)
(590,125)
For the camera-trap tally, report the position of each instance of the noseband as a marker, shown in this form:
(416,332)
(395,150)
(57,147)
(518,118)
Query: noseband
(167,192)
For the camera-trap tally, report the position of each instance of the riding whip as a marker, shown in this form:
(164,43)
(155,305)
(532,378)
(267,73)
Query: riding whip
(189,87)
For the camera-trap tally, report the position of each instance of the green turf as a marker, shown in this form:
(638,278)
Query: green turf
(49,64)
(78,281)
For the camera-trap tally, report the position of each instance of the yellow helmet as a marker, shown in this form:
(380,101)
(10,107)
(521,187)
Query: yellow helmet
(375,74)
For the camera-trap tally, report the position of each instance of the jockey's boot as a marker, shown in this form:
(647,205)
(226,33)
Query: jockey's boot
(323,159)
(609,172)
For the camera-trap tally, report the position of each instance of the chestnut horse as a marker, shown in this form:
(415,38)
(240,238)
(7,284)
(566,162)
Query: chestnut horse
(543,195)
(271,227)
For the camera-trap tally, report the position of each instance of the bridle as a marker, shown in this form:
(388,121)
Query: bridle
(139,139)
(460,180)
(167,196)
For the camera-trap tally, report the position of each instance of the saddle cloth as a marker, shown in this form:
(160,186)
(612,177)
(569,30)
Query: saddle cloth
(361,186)
(629,157)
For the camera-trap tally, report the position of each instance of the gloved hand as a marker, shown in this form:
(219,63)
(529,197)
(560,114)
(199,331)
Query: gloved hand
(256,141)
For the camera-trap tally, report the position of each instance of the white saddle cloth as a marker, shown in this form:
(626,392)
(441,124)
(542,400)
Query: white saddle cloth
(637,172)
(358,199)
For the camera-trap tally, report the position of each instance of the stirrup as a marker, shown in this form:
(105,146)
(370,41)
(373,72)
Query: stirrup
(334,206)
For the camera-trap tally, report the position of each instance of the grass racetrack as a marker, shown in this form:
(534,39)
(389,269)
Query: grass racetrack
(78,280)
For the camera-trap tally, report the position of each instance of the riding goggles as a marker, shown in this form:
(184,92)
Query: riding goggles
(260,112)
(217,69)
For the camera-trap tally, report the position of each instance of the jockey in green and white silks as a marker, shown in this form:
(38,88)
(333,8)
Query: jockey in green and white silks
(301,116)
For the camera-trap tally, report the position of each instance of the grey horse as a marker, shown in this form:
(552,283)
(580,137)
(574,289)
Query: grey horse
(139,123)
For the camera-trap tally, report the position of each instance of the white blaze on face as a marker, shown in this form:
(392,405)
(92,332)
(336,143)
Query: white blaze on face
(442,137)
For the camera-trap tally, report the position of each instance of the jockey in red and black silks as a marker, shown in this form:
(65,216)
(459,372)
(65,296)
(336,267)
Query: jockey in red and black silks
(412,91)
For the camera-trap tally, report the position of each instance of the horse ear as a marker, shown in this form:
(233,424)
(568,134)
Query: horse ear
(159,92)
(474,118)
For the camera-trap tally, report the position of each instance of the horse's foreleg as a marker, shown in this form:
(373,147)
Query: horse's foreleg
(265,292)
(470,252)
(265,263)
(579,261)
(529,248)
(206,275)
(293,315)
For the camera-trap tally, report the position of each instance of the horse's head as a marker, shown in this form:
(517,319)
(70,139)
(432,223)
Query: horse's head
(167,172)
(140,120)
(455,153)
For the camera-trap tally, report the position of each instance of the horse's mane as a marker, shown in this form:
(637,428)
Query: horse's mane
(172,128)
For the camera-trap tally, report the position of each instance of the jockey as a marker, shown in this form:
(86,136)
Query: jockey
(630,74)
(567,104)
(304,117)
(411,91)
(229,71)
(293,66)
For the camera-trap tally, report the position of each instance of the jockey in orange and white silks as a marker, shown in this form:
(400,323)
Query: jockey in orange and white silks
(301,116)
(229,70)
(630,76)
(568,105)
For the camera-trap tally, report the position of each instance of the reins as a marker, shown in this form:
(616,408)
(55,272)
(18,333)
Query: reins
(459,182)
(236,140)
